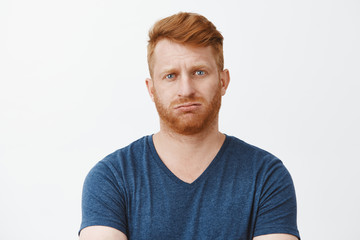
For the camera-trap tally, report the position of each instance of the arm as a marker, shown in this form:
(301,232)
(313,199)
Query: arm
(276,237)
(276,217)
(101,233)
(103,206)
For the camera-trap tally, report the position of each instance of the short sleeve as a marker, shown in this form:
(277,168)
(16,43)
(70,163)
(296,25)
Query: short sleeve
(103,200)
(277,205)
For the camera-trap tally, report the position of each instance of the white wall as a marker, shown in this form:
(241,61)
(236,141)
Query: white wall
(72,90)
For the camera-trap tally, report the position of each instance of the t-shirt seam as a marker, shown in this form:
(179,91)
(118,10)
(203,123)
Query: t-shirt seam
(175,179)
(104,222)
(111,169)
(154,158)
(275,230)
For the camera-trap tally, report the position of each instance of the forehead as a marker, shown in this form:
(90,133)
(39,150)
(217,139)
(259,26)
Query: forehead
(171,54)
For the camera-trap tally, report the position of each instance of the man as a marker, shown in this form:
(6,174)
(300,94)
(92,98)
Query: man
(188,181)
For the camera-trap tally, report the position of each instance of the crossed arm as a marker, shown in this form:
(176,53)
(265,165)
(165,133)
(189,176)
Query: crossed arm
(108,233)
(101,233)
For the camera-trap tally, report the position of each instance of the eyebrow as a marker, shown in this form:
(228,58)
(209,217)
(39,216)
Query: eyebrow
(167,70)
(200,66)
(193,68)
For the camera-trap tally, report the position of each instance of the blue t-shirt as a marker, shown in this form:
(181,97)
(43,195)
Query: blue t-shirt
(244,192)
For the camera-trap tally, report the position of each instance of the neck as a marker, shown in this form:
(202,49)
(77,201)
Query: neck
(187,156)
(188,148)
(169,137)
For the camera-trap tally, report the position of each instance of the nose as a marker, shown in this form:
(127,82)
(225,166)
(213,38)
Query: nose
(186,86)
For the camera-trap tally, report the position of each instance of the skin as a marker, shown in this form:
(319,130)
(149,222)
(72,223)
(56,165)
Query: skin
(185,72)
(276,237)
(185,85)
(101,233)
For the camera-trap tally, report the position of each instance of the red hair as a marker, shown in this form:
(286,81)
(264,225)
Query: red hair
(187,28)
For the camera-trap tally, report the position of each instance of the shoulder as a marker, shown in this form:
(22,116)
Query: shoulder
(122,161)
(125,155)
(249,153)
(254,162)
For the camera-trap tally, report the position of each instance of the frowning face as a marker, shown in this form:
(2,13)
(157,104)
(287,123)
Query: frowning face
(186,87)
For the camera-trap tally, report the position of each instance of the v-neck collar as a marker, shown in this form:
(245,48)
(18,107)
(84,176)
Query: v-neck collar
(177,180)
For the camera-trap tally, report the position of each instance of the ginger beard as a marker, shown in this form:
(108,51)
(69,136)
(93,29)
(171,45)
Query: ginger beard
(192,122)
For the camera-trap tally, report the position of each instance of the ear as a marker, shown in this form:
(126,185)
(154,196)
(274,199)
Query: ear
(224,81)
(150,87)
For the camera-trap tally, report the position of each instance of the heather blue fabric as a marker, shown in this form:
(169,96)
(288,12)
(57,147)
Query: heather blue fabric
(245,192)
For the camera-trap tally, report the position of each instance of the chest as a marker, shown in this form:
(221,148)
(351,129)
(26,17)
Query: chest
(220,206)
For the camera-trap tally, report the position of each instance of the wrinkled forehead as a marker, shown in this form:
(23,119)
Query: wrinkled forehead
(168,53)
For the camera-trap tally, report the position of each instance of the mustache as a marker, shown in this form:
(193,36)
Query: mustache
(186,100)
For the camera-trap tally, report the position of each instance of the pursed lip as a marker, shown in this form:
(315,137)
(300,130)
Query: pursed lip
(187,105)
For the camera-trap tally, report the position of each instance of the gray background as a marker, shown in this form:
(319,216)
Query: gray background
(72,90)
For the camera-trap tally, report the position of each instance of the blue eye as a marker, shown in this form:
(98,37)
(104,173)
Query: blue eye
(170,76)
(200,72)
